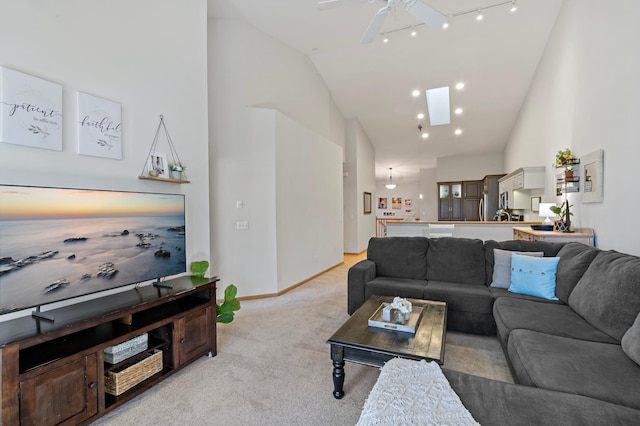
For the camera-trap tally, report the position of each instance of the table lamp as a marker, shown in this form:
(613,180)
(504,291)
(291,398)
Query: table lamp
(544,210)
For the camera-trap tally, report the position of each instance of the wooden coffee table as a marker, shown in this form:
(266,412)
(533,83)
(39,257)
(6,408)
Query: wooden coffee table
(355,341)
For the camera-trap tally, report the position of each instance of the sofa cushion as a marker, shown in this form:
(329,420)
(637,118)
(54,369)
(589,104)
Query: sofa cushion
(513,313)
(549,250)
(389,286)
(592,369)
(608,294)
(575,258)
(404,257)
(502,266)
(456,260)
(460,297)
(534,276)
(492,402)
(503,292)
(357,278)
(631,341)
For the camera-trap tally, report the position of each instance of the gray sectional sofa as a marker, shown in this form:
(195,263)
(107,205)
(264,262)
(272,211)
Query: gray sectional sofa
(575,360)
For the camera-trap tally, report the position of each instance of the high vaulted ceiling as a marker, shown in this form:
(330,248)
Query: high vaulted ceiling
(495,58)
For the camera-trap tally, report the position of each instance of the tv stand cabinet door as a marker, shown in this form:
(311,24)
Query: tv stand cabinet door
(64,395)
(194,334)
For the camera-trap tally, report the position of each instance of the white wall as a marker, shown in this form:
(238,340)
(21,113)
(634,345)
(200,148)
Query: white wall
(469,167)
(128,52)
(250,69)
(308,199)
(359,178)
(428,205)
(586,96)
(405,190)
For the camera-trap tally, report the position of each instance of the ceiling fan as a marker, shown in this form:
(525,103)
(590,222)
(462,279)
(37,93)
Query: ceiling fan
(417,8)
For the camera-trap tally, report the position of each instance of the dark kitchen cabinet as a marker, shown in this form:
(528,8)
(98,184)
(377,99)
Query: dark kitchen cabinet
(450,201)
(472,193)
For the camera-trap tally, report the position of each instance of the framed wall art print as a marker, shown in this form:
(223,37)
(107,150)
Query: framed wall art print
(99,127)
(30,110)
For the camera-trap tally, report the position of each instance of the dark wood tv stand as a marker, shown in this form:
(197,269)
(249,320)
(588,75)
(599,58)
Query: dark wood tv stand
(53,373)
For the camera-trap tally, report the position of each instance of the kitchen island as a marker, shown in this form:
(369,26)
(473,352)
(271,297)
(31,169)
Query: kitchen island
(498,231)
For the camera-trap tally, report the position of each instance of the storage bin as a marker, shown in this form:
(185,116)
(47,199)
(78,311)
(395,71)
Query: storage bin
(115,354)
(118,382)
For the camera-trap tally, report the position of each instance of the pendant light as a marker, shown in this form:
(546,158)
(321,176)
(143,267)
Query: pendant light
(390,185)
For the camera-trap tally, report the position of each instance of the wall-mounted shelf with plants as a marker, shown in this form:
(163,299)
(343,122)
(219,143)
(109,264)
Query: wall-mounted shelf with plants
(568,178)
(157,167)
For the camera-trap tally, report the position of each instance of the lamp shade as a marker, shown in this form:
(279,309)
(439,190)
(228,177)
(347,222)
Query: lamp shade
(544,210)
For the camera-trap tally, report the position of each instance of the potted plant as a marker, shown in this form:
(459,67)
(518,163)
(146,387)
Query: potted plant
(225,311)
(564,157)
(568,173)
(564,211)
(176,170)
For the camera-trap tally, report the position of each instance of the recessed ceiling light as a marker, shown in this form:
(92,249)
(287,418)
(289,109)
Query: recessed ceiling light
(458,111)
(385,39)
(425,135)
(414,32)
(460,86)
(514,6)
(445,25)
(458,131)
(420,116)
(479,16)
(415,93)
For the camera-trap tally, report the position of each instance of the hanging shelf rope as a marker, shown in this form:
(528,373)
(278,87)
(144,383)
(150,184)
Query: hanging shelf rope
(154,166)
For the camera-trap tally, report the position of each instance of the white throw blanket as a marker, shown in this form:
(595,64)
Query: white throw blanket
(413,393)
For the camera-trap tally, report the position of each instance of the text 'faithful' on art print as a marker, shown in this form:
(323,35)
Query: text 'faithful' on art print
(99,127)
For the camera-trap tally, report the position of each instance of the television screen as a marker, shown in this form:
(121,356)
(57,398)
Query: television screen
(59,243)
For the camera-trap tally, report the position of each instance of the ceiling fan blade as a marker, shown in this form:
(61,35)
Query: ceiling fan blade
(375,25)
(426,14)
(331,4)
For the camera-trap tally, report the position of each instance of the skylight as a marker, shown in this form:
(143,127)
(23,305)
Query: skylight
(438,105)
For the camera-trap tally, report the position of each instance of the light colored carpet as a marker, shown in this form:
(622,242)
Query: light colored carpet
(273,367)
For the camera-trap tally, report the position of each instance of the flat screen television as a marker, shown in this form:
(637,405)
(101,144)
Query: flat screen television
(60,243)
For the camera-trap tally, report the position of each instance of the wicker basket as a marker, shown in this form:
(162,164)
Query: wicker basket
(116,383)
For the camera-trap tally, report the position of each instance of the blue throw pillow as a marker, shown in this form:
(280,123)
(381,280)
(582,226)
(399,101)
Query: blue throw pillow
(502,266)
(534,276)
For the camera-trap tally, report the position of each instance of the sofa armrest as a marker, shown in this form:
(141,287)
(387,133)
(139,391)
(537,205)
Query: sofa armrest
(359,274)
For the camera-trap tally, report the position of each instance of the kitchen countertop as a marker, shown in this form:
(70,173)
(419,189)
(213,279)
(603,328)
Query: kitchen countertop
(462,222)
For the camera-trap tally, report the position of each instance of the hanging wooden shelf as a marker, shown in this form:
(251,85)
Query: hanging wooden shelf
(175,160)
(164,179)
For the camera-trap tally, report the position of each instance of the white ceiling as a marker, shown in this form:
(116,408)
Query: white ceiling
(496,59)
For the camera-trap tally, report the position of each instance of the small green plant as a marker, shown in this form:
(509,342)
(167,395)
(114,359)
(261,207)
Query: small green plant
(226,310)
(199,268)
(564,156)
(562,210)
(177,167)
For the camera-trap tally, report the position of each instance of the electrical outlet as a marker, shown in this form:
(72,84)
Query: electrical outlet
(242,226)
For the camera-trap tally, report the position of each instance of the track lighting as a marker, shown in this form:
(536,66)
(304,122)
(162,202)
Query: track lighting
(513,6)
(390,185)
